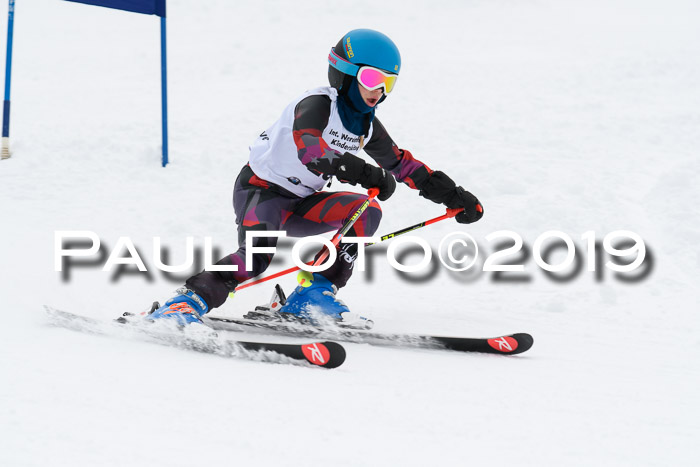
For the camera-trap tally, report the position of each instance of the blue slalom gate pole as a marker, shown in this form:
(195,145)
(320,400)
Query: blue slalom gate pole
(8,74)
(164,88)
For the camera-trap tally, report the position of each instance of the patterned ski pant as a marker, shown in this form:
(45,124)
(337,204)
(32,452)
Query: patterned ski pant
(261,206)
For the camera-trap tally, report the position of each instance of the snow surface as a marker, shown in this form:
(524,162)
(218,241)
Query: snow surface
(573,116)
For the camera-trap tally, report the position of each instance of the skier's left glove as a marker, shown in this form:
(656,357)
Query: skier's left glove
(441,189)
(353,170)
(473,210)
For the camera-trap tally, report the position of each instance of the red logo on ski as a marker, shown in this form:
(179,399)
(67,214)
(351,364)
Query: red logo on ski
(316,353)
(505,344)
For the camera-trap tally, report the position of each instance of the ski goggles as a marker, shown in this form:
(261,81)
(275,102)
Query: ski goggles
(369,77)
(373,78)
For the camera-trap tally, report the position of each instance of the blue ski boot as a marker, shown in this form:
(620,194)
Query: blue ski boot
(185,308)
(314,301)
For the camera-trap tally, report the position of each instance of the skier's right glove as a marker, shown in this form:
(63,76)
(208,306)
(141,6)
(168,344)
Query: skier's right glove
(353,170)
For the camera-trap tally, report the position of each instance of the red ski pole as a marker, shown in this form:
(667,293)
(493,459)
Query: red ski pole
(449,213)
(371,194)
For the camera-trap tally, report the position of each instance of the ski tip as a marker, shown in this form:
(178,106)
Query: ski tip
(526,341)
(324,354)
(512,344)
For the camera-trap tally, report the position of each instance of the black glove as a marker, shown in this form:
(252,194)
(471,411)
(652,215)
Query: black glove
(473,211)
(441,189)
(353,170)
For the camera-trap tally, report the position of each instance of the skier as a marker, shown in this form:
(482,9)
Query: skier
(317,138)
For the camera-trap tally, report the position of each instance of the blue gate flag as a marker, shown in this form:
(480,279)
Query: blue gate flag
(147,7)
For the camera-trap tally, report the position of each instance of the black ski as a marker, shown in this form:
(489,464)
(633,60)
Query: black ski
(510,344)
(319,353)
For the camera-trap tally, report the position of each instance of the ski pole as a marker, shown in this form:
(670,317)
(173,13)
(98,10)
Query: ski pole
(371,194)
(449,213)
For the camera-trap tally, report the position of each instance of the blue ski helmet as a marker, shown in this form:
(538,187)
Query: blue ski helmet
(358,48)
